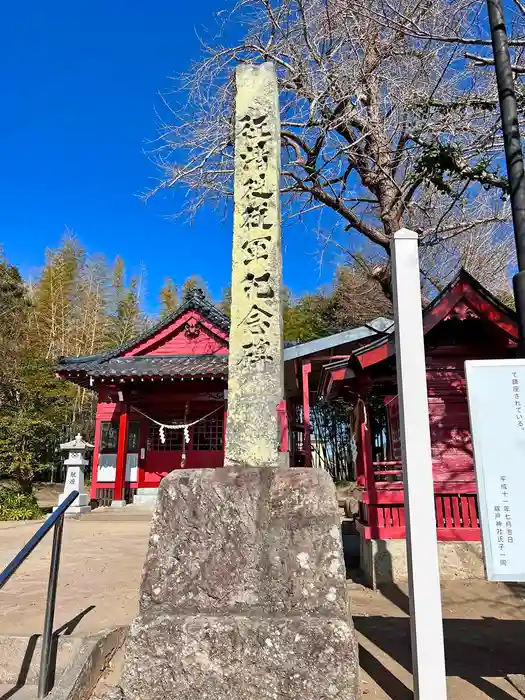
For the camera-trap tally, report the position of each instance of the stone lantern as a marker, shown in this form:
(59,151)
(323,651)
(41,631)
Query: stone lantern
(75,462)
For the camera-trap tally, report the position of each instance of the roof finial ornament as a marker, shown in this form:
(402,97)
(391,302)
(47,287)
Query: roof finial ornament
(194,295)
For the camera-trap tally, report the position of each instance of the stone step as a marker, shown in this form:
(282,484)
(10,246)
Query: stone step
(131,513)
(12,692)
(111,677)
(20,657)
(78,662)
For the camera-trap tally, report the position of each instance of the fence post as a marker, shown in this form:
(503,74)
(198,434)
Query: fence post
(426,620)
(47,636)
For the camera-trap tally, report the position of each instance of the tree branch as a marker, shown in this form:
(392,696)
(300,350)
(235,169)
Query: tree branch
(482,61)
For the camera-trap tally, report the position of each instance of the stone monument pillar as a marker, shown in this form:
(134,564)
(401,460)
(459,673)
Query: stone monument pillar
(255,366)
(75,462)
(243,593)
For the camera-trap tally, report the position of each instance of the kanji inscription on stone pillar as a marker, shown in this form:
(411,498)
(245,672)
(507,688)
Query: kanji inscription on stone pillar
(255,381)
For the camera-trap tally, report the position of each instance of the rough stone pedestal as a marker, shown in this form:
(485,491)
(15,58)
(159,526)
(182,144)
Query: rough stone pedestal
(243,591)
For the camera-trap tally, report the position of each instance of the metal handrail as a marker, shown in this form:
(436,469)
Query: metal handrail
(55,520)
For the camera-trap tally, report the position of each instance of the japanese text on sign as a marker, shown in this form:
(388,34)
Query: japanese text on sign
(498,435)
(256,198)
(517,401)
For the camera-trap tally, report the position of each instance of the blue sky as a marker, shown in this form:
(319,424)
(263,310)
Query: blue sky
(80,82)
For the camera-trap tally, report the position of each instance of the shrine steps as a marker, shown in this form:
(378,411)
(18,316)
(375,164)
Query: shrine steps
(130,513)
(20,662)
(77,664)
(26,692)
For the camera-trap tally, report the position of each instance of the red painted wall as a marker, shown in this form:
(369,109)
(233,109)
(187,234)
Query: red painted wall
(452,455)
(191,334)
(179,344)
(451,441)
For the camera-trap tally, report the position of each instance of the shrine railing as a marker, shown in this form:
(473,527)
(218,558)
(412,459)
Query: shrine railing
(382,509)
(56,520)
(388,472)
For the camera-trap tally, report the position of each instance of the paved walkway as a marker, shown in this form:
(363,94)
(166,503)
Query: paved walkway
(100,576)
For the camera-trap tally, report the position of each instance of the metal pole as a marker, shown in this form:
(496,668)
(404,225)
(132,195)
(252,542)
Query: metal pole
(47,635)
(426,619)
(513,153)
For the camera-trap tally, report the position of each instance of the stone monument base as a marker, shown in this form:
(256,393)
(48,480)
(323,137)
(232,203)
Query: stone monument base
(232,657)
(385,561)
(243,592)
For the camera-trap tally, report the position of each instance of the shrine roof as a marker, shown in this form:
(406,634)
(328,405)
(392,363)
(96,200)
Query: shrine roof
(463,286)
(146,366)
(464,297)
(196,301)
(338,340)
(113,363)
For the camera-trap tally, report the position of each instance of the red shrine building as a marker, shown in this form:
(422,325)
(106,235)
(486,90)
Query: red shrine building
(465,322)
(176,374)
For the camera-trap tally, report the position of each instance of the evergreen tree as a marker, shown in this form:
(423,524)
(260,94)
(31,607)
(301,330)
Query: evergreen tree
(14,307)
(13,295)
(32,421)
(33,403)
(306,319)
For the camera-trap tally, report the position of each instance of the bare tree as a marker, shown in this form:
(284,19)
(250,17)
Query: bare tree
(484,253)
(385,122)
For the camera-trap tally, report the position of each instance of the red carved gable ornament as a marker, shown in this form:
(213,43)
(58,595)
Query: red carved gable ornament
(462,311)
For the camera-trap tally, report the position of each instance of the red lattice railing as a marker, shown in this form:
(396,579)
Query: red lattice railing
(382,510)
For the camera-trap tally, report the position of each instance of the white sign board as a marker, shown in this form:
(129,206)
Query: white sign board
(496,396)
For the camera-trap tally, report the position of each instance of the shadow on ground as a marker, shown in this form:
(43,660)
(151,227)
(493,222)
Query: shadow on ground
(474,648)
(66,629)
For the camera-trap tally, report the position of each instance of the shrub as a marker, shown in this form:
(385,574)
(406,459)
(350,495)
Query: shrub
(18,506)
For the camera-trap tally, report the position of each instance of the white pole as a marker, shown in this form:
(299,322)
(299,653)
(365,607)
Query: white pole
(426,622)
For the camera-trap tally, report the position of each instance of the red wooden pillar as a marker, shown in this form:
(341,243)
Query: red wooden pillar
(368,469)
(282,418)
(307,437)
(122,449)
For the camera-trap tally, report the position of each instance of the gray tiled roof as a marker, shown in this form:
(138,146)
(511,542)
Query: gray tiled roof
(152,366)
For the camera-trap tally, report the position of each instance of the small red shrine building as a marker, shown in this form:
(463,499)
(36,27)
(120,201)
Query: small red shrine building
(174,374)
(465,322)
